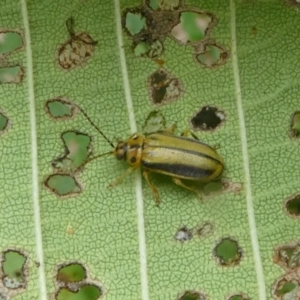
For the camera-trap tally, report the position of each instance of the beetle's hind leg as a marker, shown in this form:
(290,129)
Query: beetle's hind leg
(190,188)
(171,129)
(152,186)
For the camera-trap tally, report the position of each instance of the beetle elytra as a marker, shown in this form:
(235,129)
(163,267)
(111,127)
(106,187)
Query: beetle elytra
(179,157)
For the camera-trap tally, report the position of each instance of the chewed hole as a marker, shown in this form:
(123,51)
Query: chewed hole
(62,184)
(228,252)
(13,269)
(208,118)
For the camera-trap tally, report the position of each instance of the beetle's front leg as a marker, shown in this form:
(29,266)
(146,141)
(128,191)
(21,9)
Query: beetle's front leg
(121,177)
(188,132)
(153,188)
(190,188)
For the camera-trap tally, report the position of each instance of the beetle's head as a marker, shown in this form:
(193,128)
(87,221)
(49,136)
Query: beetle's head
(121,150)
(130,150)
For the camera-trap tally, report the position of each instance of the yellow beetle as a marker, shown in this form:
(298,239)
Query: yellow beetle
(180,157)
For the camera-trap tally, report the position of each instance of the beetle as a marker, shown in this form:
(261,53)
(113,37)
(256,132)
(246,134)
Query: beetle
(179,157)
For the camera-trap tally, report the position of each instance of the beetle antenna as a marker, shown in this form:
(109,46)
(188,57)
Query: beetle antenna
(96,127)
(91,159)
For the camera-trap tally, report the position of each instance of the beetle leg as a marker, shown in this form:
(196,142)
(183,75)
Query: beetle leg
(171,129)
(190,188)
(121,177)
(188,132)
(153,188)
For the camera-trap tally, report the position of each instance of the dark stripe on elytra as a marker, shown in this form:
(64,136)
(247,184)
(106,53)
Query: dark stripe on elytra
(193,140)
(196,153)
(179,169)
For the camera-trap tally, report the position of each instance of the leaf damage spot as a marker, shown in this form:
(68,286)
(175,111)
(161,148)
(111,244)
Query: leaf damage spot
(295,125)
(11,74)
(149,25)
(164,88)
(228,252)
(192,295)
(3,122)
(238,297)
(209,54)
(60,109)
(193,26)
(83,292)
(14,270)
(292,205)
(183,234)
(154,122)
(71,272)
(208,118)
(77,150)
(10,41)
(63,185)
(164,4)
(287,287)
(77,50)
(74,283)
(288,256)
(204,230)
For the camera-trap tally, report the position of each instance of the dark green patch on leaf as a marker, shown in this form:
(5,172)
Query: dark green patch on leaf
(296,124)
(77,150)
(228,252)
(11,74)
(62,184)
(3,122)
(59,109)
(73,272)
(10,41)
(85,292)
(286,288)
(13,269)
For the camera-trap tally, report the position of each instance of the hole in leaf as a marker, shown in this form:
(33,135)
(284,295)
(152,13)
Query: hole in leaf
(164,88)
(135,22)
(192,295)
(3,122)
(77,151)
(238,297)
(292,205)
(77,50)
(62,184)
(228,252)
(73,272)
(208,118)
(13,263)
(288,256)
(10,41)
(155,121)
(211,55)
(60,109)
(85,292)
(11,74)
(295,124)
(192,27)
(183,234)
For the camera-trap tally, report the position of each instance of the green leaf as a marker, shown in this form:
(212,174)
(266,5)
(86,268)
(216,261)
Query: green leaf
(67,67)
